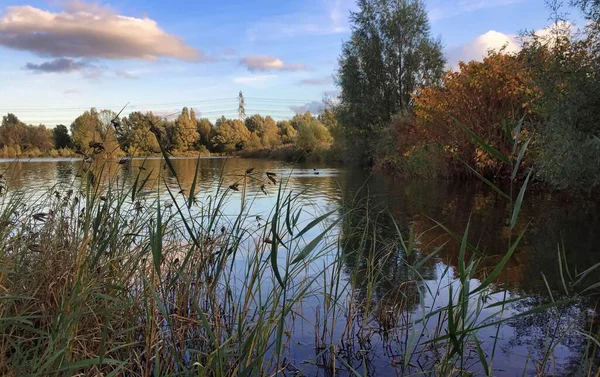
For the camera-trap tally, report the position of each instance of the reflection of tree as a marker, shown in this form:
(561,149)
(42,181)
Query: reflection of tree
(543,333)
(552,222)
(374,259)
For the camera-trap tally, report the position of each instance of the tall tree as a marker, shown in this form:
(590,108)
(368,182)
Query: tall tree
(137,138)
(94,126)
(287,133)
(204,128)
(229,135)
(185,136)
(61,137)
(269,133)
(390,54)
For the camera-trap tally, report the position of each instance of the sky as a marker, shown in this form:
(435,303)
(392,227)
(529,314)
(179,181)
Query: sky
(59,58)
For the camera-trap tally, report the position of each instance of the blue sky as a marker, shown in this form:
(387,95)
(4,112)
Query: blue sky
(161,56)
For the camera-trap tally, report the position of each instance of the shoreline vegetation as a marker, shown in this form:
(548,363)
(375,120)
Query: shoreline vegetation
(101,278)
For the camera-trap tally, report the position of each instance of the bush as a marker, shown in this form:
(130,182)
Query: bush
(427,161)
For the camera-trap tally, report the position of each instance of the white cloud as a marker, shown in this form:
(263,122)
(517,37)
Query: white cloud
(478,48)
(559,29)
(253,79)
(269,63)
(83,30)
(315,107)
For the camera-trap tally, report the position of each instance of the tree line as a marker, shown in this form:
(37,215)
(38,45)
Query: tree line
(401,110)
(138,134)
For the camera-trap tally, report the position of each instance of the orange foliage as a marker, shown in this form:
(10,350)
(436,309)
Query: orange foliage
(483,96)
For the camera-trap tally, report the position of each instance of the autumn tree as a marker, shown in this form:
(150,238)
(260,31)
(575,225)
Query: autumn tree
(40,138)
(229,135)
(12,132)
(204,128)
(17,137)
(137,137)
(185,134)
(254,122)
(389,55)
(269,133)
(286,132)
(488,97)
(94,126)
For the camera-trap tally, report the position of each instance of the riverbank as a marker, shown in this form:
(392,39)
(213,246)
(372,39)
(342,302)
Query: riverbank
(213,269)
(292,153)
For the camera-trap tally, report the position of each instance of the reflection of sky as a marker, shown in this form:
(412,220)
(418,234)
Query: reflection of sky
(410,203)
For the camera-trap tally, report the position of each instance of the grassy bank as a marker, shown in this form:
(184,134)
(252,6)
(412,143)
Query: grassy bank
(103,278)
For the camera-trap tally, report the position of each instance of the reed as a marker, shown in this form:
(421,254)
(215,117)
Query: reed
(103,277)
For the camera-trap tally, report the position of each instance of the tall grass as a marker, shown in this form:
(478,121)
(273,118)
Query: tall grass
(115,279)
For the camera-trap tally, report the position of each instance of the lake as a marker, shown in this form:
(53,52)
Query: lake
(550,222)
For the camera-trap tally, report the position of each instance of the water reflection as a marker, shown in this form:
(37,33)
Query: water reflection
(534,272)
(373,202)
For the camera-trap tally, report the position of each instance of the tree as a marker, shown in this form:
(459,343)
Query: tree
(329,119)
(566,69)
(229,135)
(204,129)
(137,137)
(389,55)
(94,126)
(13,131)
(254,122)
(185,135)
(19,137)
(286,132)
(311,133)
(485,96)
(61,137)
(39,137)
(268,133)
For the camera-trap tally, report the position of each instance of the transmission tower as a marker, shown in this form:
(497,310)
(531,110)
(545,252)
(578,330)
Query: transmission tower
(241,106)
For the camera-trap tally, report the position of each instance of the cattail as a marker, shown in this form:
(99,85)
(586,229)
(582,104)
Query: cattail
(40,216)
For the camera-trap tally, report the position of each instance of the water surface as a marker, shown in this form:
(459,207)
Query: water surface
(551,220)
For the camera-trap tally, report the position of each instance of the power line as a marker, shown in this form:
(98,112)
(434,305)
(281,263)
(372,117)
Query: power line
(182,103)
(52,108)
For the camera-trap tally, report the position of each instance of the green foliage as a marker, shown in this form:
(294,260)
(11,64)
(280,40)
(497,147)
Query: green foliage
(229,135)
(93,126)
(567,71)
(286,132)
(269,133)
(427,161)
(61,137)
(184,135)
(389,55)
(204,128)
(311,133)
(136,137)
